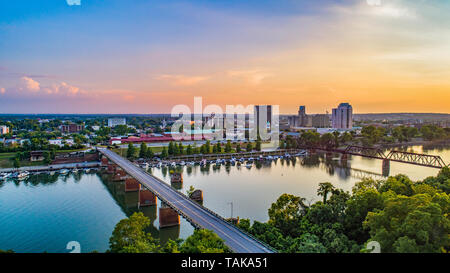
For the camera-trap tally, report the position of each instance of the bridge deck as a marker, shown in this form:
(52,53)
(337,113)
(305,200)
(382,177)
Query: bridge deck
(234,238)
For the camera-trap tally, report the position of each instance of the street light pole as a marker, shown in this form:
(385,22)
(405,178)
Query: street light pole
(231,203)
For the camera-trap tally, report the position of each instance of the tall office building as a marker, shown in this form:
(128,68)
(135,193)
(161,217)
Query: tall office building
(342,117)
(113,122)
(263,110)
(302,117)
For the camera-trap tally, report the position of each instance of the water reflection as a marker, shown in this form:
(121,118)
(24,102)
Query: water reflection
(44,212)
(129,203)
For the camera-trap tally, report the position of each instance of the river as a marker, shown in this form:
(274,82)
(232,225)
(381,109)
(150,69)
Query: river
(44,213)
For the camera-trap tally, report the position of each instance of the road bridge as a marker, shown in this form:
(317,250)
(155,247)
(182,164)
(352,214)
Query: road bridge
(198,215)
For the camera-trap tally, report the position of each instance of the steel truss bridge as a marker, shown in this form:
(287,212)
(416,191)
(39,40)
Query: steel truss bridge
(426,160)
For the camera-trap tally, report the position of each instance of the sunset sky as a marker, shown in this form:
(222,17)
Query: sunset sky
(141,56)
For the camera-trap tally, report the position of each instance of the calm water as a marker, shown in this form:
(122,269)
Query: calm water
(45,212)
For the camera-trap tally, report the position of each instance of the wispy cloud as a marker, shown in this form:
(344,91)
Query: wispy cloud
(73,2)
(27,87)
(253,77)
(181,80)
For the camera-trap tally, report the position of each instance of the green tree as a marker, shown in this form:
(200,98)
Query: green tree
(285,214)
(324,189)
(16,163)
(228,148)
(143,150)
(238,147)
(204,241)
(249,147)
(129,236)
(164,153)
(417,223)
(131,152)
(258,145)
(149,153)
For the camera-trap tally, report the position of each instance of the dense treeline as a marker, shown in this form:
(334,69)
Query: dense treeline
(370,135)
(403,216)
(176,149)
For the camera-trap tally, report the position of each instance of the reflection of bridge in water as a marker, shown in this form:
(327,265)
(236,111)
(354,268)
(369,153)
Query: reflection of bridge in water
(130,202)
(175,204)
(425,160)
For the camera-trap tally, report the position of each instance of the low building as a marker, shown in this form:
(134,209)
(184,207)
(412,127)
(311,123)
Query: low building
(113,122)
(71,128)
(36,156)
(57,142)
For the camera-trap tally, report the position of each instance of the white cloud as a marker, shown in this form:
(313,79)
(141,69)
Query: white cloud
(29,85)
(182,80)
(73,2)
(254,77)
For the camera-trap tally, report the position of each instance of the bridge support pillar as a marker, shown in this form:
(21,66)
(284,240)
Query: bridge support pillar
(105,161)
(386,167)
(147,198)
(197,196)
(168,217)
(119,175)
(176,180)
(132,184)
(111,168)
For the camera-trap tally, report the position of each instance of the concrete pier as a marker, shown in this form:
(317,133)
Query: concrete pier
(168,217)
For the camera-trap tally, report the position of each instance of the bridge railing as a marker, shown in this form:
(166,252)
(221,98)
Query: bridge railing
(198,205)
(211,212)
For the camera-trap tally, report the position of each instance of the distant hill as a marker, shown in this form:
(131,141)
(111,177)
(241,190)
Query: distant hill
(402,116)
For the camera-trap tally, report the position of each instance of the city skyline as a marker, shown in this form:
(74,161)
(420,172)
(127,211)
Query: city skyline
(144,57)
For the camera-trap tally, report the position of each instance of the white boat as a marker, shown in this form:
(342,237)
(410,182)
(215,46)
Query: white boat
(173,164)
(63,171)
(182,163)
(249,165)
(22,175)
(302,153)
(269,157)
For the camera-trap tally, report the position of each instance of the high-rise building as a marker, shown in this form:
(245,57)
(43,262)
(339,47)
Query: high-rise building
(261,111)
(4,130)
(342,117)
(113,122)
(302,117)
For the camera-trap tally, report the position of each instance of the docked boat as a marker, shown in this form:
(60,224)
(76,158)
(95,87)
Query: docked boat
(64,171)
(22,175)
(4,176)
(249,165)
